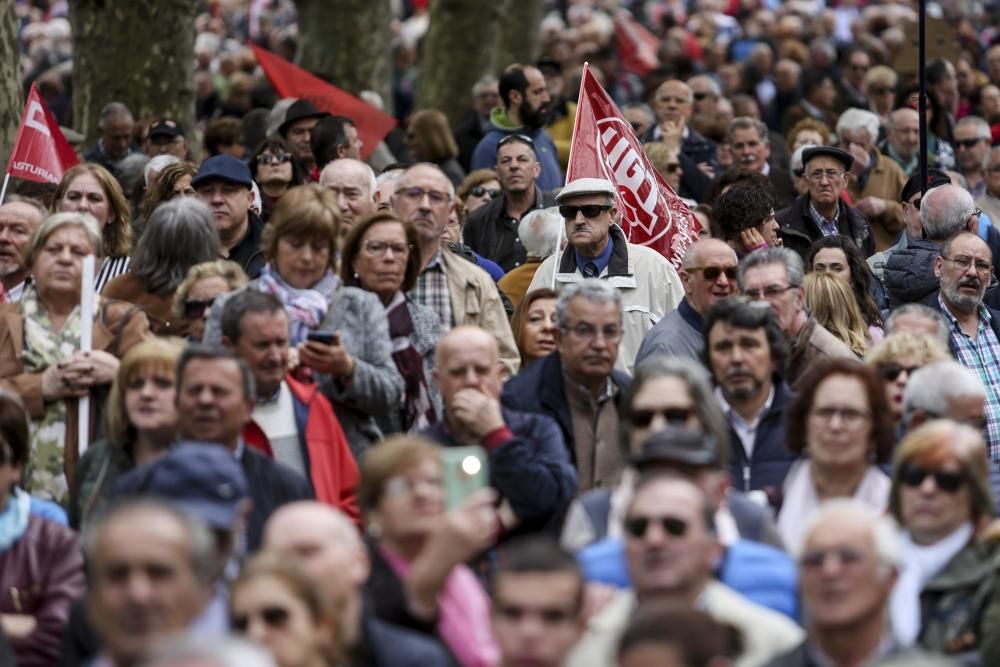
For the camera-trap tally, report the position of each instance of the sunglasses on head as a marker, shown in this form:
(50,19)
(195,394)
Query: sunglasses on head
(268,158)
(913,476)
(892,370)
(273,617)
(588,210)
(642,418)
(636,526)
(523,138)
(195,308)
(479,191)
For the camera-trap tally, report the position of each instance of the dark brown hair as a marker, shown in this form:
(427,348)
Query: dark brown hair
(352,247)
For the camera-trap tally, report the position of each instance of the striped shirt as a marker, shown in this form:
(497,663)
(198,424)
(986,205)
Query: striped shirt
(111,267)
(432,291)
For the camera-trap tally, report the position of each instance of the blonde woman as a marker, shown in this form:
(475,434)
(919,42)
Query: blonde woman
(833,305)
(896,359)
(205,283)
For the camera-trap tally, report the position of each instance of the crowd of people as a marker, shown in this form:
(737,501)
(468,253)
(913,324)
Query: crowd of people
(784,452)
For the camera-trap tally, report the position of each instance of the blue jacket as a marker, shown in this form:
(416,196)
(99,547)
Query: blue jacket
(539,388)
(485,155)
(386,645)
(529,466)
(771,460)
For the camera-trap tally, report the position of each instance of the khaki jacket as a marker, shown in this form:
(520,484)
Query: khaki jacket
(886,181)
(813,345)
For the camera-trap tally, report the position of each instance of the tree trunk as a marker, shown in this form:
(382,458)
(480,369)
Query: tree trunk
(10,80)
(457,51)
(353,54)
(519,37)
(140,53)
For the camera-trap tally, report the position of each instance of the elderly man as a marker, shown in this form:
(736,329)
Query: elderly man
(918,318)
(821,211)
(115,124)
(875,180)
(944,390)
(19,218)
(989,202)
(750,143)
(457,290)
(673,104)
(224,184)
(578,385)
(539,232)
(166,137)
(472,126)
(709,274)
(353,184)
(972,141)
(672,547)
(847,568)
(492,229)
(529,464)
(649,285)
(640,116)
(776,275)
(902,139)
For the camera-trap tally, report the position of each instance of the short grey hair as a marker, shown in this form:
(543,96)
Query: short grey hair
(178,235)
(713,85)
(594,290)
(57,221)
(795,163)
(483,82)
(920,310)
(111,111)
(216,651)
(982,127)
(451,186)
(988,156)
(539,231)
(893,115)
(859,119)
(357,164)
(930,387)
(643,107)
(944,211)
(156,165)
(884,529)
(788,258)
(748,123)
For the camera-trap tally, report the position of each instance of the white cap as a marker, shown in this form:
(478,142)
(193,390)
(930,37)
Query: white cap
(587,186)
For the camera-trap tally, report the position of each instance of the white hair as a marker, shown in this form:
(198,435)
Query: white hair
(713,85)
(930,387)
(795,163)
(156,165)
(859,119)
(216,651)
(982,127)
(348,161)
(539,231)
(884,530)
(944,211)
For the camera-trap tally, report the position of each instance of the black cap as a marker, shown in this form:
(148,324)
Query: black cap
(935,177)
(300,110)
(165,127)
(827,151)
(676,444)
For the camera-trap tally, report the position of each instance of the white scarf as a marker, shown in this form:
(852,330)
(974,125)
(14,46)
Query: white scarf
(800,499)
(918,565)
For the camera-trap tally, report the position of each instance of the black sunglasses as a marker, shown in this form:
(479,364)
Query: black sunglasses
(195,308)
(479,191)
(712,273)
(643,418)
(636,526)
(589,210)
(914,476)
(969,143)
(890,371)
(672,167)
(268,158)
(273,617)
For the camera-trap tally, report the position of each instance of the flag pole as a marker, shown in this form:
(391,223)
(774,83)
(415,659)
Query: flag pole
(569,165)
(922,101)
(3,190)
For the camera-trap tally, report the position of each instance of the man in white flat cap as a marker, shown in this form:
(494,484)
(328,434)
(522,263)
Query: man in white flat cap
(650,287)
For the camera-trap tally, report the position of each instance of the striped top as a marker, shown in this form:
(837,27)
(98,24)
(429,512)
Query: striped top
(111,267)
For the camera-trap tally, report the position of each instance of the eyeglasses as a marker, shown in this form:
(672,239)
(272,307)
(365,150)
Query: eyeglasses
(913,476)
(963,263)
(590,211)
(968,143)
(819,175)
(273,617)
(268,158)
(416,195)
(850,416)
(516,137)
(846,556)
(195,308)
(769,292)
(641,418)
(891,370)
(479,191)
(378,248)
(588,332)
(637,526)
(712,273)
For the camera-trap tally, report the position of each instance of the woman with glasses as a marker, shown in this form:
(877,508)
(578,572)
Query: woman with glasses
(945,598)
(203,284)
(880,82)
(277,606)
(839,422)
(275,172)
(896,359)
(381,255)
(478,188)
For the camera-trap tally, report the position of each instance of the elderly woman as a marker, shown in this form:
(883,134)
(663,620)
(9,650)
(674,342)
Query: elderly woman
(40,357)
(381,255)
(880,82)
(945,594)
(141,421)
(419,548)
(897,357)
(839,421)
(203,284)
(179,235)
(355,365)
(429,139)
(90,188)
(534,325)
(41,562)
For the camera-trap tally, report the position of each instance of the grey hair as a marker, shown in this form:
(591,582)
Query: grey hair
(982,127)
(357,164)
(748,123)
(788,258)
(884,529)
(891,120)
(277,116)
(643,107)
(29,201)
(944,211)
(158,164)
(920,310)
(930,387)
(388,176)
(451,186)
(795,163)
(594,290)
(203,557)
(216,651)
(111,111)
(539,231)
(487,80)
(713,85)
(988,156)
(178,235)
(57,221)
(859,119)
(131,170)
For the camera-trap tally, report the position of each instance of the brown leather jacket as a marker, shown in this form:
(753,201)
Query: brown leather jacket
(158,308)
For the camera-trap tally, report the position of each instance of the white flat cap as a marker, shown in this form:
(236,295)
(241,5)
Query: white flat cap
(587,186)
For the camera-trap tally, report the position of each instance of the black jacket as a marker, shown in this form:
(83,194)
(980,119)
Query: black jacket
(493,234)
(798,231)
(468,132)
(771,459)
(271,485)
(784,189)
(909,274)
(385,645)
(247,252)
(695,149)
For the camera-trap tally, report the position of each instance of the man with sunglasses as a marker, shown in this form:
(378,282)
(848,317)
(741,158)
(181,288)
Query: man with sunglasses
(972,142)
(989,202)
(709,274)
(944,390)
(597,248)
(492,229)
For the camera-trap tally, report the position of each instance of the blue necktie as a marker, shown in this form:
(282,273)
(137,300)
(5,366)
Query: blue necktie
(590,270)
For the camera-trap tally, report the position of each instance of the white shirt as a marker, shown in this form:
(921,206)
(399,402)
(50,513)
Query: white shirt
(745,430)
(277,420)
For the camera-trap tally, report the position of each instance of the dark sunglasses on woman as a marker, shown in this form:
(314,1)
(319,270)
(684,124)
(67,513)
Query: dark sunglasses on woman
(195,308)
(479,191)
(273,617)
(913,476)
(267,158)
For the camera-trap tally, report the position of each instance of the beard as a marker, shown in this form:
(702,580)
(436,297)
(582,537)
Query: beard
(533,118)
(964,302)
(9,267)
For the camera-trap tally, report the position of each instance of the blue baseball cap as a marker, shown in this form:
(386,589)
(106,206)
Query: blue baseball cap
(223,168)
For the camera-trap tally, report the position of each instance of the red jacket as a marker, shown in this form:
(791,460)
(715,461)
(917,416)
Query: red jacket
(332,469)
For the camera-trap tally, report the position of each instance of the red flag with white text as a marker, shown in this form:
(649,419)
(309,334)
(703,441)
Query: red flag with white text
(605,146)
(637,47)
(41,152)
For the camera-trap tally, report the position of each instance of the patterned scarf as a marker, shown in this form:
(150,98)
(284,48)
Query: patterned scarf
(44,347)
(418,410)
(306,308)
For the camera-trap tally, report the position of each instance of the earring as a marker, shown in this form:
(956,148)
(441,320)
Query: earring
(355,275)
(374,530)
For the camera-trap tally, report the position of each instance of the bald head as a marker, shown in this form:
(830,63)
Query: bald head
(673,102)
(709,273)
(353,183)
(467,358)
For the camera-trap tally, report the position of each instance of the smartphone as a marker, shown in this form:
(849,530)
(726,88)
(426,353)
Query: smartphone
(325,337)
(465,472)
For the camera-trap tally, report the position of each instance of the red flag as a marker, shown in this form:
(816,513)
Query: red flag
(604,146)
(41,152)
(637,47)
(291,81)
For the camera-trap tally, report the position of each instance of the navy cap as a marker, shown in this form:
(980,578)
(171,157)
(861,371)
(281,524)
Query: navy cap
(165,127)
(676,444)
(935,177)
(202,479)
(839,154)
(299,110)
(223,168)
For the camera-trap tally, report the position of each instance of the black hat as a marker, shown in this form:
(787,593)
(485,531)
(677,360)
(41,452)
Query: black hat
(935,177)
(165,127)
(827,151)
(676,444)
(300,110)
